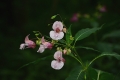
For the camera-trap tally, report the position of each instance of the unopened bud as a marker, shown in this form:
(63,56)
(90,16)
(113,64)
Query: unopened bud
(38,42)
(65,51)
(71,38)
(69,51)
(64,30)
(59,49)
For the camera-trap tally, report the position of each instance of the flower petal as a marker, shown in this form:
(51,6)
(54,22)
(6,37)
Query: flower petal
(27,39)
(60,35)
(56,64)
(30,43)
(56,36)
(42,40)
(58,55)
(48,45)
(57,24)
(41,49)
(22,46)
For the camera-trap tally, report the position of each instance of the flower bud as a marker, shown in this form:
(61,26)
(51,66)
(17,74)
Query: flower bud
(67,51)
(71,38)
(64,30)
(38,42)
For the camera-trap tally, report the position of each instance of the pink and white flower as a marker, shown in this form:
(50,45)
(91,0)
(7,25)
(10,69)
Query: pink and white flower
(59,62)
(57,33)
(28,43)
(41,49)
(44,45)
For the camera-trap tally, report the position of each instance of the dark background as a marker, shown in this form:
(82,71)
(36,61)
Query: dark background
(19,18)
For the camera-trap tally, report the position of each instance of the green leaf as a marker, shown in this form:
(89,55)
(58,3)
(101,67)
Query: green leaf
(85,33)
(53,17)
(69,37)
(89,74)
(76,74)
(34,62)
(106,54)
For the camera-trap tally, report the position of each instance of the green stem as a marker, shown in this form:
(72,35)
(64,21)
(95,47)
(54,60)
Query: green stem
(60,17)
(78,57)
(74,43)
(98,75)
(93,60)
(61,44)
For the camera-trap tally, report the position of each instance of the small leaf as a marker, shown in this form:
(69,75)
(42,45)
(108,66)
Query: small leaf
(76,74)
(36,34)
(69,37)
(35,31)
(53,17)
(85,33)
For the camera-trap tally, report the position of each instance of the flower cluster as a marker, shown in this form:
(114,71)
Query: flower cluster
(56,34)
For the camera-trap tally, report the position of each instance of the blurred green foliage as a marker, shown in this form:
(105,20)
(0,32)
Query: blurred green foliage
(20,17)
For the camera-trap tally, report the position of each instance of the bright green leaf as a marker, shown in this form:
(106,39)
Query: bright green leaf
(85,33)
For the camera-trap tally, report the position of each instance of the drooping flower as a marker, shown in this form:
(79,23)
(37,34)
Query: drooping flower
(41,49)
(59,62)
(44,45)
(28,43)
(57,33)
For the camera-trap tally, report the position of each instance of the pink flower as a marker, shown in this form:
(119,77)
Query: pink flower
(57,34)
(44,45)
(28,43)
(59,62)
(41,49)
